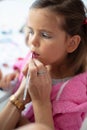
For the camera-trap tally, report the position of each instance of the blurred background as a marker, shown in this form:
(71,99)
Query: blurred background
(13,15)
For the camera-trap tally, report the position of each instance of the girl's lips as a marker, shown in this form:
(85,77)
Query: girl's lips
(35,55)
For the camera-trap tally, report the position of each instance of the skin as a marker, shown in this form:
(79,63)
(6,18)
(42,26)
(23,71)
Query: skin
(5,80)
(34,127)
(52,44)
(1,74)
(50,41)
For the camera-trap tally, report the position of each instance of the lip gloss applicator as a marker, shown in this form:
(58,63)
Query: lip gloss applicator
(27,82)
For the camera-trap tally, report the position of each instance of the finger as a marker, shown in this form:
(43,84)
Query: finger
(40,66)
(25,69)
(17,74)
(43,71)
(1,75)
(32,68)
(11,76)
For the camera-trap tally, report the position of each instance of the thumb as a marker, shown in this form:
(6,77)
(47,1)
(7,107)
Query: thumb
(25,69)
(1,75)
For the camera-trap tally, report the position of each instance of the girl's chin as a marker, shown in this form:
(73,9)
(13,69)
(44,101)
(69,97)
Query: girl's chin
(41,60)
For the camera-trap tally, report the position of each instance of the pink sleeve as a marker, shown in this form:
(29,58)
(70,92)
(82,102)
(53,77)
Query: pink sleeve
(18,64)
(68,121)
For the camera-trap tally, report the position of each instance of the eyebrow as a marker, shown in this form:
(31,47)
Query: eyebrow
(44,30)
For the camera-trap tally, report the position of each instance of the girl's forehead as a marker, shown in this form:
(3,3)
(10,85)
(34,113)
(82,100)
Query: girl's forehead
(45,17)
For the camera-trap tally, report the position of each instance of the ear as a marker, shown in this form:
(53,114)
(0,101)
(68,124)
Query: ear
(73,43)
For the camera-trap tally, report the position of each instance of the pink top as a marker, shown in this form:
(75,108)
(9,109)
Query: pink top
(70,108)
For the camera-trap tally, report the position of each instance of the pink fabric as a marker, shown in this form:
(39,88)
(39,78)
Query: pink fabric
(70,109)
(18,65)
(21,62)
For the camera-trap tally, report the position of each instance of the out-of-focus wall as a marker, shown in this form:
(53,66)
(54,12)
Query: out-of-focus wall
(13,13)
(85,1)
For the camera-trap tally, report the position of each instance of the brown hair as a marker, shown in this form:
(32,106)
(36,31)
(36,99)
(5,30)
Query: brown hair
(74,13)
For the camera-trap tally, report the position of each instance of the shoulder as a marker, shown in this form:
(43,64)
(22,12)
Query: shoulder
(74,92)
(76,88)
(82,77)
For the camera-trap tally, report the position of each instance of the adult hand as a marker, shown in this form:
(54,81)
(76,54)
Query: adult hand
(40,81)
(19,94)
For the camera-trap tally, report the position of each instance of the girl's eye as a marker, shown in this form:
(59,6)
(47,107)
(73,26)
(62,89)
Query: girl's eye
(45,35)
(30,31)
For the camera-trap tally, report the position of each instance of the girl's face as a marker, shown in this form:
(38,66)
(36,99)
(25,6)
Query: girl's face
(47,40)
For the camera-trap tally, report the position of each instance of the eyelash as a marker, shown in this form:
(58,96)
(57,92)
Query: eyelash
(30,32)
(43,34)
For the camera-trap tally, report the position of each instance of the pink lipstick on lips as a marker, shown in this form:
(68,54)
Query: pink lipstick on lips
(35,55)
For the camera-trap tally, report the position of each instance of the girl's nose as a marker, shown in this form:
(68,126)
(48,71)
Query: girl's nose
(34,40)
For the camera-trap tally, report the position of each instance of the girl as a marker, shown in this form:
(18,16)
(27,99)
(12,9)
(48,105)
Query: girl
(57,38)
